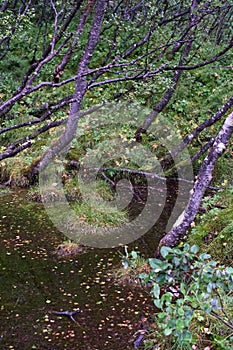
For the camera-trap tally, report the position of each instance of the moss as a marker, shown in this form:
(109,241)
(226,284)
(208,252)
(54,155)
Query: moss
(223,169)
(221,248)
(15,171)
(214,233)
(74,154)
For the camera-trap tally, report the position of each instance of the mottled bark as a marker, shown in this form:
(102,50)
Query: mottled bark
(80,89)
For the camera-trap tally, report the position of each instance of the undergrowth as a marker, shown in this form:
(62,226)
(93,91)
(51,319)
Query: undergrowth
(193,299)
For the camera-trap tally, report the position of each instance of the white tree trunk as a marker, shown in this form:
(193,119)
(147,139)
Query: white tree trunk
(173,237)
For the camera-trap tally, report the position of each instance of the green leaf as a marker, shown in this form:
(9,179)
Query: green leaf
(167,331)
(158,303)
(155,263)
(194,249)
(187,336)
(164,251)
(144,276)
(180,312)
(180,324)
(160,279)
(156,291)
(176,261)
(134,254)
(167,297)
(182,288)
(204,256)
(186,247)
(189,313)
(229,270)
(158,265)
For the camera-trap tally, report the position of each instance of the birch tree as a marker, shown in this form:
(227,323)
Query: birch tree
(174,236)
(75,48)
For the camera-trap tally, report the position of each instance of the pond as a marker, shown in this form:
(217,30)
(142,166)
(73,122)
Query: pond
(35,284)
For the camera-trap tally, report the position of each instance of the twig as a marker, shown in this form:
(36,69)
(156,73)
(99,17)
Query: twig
(70,314)
(214,314)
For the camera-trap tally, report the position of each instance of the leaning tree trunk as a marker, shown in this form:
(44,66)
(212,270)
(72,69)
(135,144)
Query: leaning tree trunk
(80,89)
(173,237)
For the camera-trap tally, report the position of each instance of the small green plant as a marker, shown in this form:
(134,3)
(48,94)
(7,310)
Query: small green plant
(132,265)
(129,259)
(189,290)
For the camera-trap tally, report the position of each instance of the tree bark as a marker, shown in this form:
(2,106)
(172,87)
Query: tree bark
(80,89)
(173,237)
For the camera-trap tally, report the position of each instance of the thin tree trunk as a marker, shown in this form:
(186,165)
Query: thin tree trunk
(159,107)
(173,237)
(80,89)
(206,124)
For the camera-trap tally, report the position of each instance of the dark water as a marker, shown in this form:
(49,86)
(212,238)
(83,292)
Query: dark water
(34,283)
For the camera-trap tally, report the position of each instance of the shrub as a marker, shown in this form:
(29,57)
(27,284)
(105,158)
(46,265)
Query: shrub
(190,291)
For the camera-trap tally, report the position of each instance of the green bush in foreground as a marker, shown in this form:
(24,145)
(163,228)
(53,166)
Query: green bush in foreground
(193,296)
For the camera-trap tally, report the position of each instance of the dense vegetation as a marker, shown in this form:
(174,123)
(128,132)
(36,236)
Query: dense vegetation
(154,75)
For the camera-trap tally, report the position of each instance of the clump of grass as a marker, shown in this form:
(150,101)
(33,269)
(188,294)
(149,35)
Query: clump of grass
(95,206)
(100,215)
(71,192)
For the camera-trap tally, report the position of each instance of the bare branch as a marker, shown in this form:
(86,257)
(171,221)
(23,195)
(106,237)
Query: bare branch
(203,63)
(206,124)
(159,107)
(203,149)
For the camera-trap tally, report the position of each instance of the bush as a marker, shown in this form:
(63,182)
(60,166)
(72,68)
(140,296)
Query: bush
(191,292)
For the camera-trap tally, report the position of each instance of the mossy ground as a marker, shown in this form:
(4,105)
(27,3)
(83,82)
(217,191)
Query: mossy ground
(213,231)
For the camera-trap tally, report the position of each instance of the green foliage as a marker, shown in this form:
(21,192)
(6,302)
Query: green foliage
(189,289)
(132,264)
(131,259)
(213,230)
(95,207)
